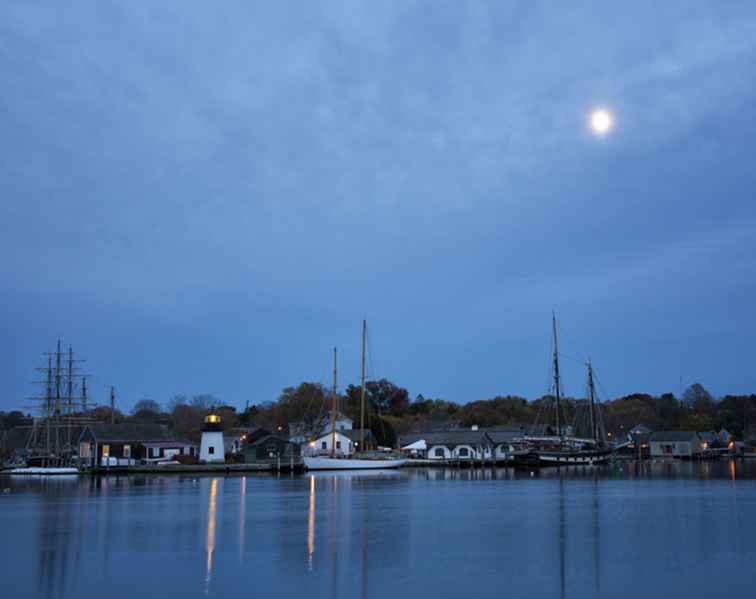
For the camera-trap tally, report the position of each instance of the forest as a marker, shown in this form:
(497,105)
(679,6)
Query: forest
(390,411)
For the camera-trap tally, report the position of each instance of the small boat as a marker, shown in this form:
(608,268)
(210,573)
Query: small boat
(42,471)
(328,463)
(365,461)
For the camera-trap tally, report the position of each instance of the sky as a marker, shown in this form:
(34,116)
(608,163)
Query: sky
(207,198)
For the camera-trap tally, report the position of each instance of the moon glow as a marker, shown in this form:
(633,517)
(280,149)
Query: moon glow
(601,121)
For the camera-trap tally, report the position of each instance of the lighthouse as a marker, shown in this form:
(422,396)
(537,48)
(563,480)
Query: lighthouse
(211,447)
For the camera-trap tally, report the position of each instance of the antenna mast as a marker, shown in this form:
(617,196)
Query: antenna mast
(112,404)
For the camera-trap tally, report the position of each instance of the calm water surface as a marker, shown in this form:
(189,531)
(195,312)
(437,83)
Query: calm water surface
(664,530)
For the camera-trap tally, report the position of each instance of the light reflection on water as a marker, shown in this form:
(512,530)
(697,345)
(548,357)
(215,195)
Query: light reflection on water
(651,529)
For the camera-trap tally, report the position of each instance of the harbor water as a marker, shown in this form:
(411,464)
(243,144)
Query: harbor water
(677,529)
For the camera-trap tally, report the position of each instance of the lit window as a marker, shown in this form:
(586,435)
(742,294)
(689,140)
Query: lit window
(105,451)
(127,451)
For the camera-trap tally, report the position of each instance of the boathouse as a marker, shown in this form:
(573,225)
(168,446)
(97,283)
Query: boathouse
(675,444)
(127,444)
(462,445)
(502,442)
(270,447)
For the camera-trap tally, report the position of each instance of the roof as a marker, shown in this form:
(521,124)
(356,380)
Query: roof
(269,437)
(462,437)
(169,444)
(672,436)
(125,432)
(504,436)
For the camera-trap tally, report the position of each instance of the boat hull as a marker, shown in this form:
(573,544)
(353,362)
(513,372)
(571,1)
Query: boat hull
(43,471)
(316,463)
(541,458)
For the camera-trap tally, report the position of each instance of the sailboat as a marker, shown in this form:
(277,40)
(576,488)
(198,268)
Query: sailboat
(362,461)
(559,449)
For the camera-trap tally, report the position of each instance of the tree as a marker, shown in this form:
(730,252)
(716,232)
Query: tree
(698,399)
(175,401)
(205,401)
(146,405)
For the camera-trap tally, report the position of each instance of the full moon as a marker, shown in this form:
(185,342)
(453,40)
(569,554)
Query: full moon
(601,121)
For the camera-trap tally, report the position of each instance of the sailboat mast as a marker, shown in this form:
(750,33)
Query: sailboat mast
(557,392)
(592,401)
(333,408)
(362,388)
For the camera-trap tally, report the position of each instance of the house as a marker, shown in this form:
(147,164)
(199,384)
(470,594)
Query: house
(128,444)
(270,447)
(302,432)
(468,444)
(234,438)
(360,435)
(677,444)
(322,445)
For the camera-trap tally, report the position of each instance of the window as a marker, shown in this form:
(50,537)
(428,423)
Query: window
(127,451)
(105,451)
(211,450)
(439,452)
(323,445)
(463,452)
(338,444)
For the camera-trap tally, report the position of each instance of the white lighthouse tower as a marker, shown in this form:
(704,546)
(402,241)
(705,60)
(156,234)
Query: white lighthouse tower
(211,447)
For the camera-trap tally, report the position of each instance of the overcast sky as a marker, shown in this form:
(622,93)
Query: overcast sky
(207,197)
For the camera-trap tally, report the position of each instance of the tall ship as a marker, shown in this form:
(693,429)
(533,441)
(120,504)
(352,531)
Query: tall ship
(362,460)
(560,449)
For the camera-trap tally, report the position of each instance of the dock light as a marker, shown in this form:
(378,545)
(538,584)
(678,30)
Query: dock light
(312,443)
(706,445)
(731,445)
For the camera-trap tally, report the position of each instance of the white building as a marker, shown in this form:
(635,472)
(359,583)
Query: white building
(675,444)
(322,445)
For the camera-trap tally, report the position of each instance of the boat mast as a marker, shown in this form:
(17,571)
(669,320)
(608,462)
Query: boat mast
(556,378)
(333,408)
(592,401)
(362,388)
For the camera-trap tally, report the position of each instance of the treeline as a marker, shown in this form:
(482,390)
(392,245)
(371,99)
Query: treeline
(390,411)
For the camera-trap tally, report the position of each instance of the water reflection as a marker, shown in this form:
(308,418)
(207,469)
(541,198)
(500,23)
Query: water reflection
(409,533)
(242,514)
(210,535)
(311,524)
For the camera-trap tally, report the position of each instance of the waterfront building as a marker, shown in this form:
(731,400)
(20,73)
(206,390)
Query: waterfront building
(502,442)
(127,444)
(468,444)
(270,447)
(322,445)
(675,444)
(212,447)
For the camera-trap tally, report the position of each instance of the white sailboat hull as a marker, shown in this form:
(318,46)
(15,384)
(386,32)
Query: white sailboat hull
(316,463)
(43,471)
